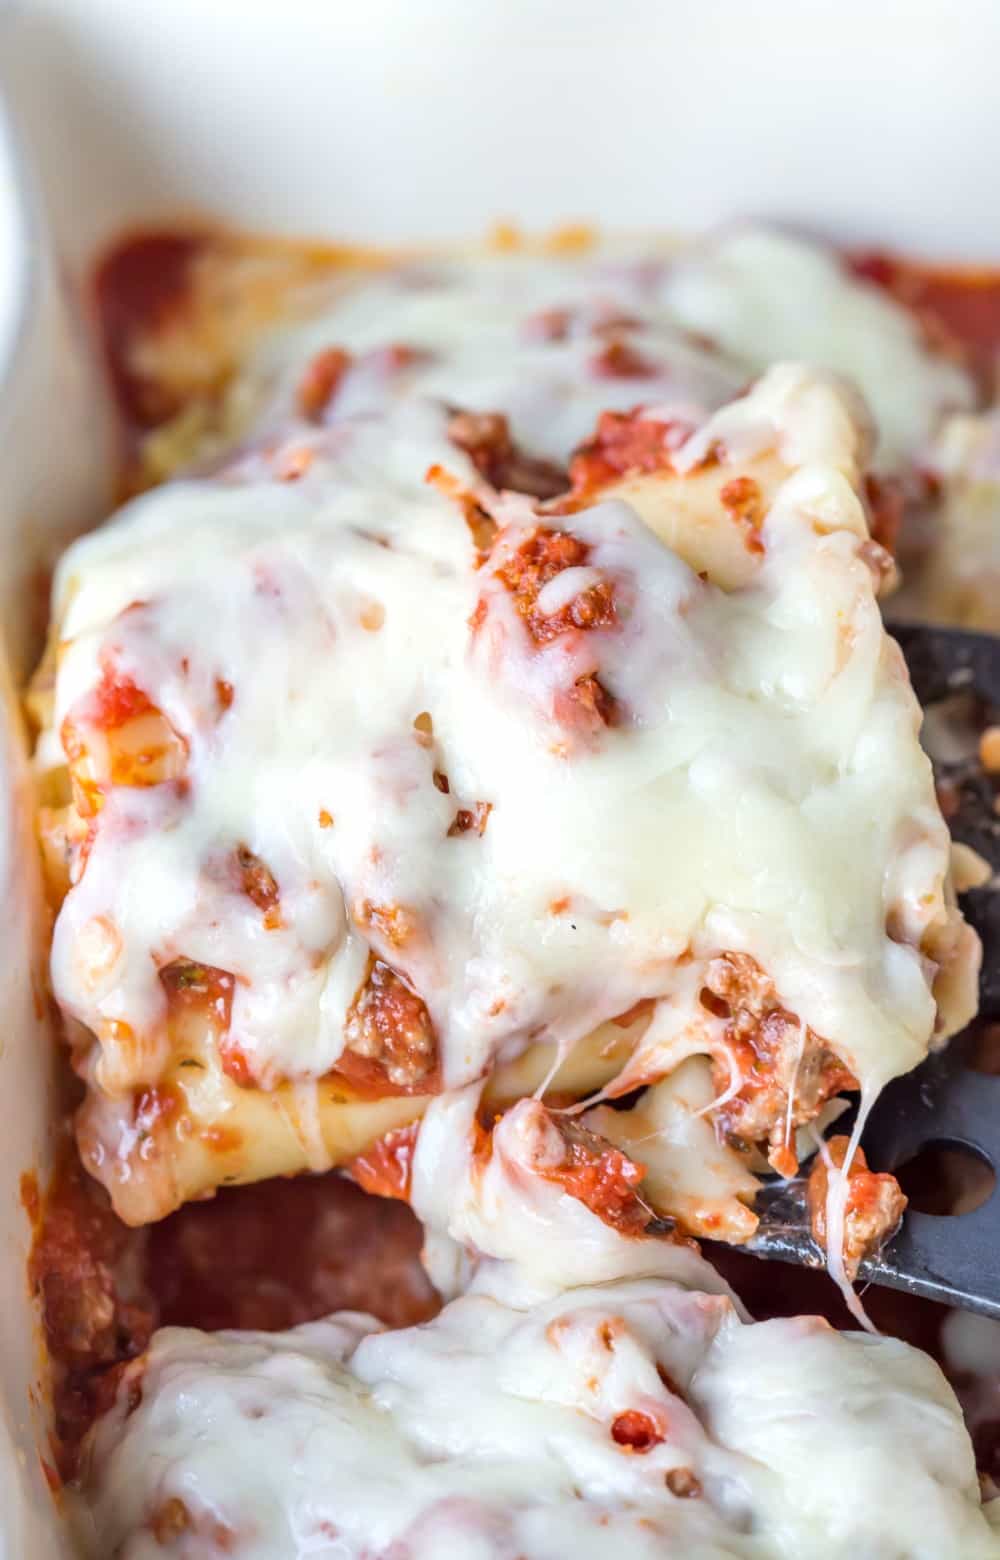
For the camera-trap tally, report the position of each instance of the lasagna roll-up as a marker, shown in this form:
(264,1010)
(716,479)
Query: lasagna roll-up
(365,778)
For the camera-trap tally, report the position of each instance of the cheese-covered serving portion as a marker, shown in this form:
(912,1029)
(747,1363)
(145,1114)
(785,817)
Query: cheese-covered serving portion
(548,339)
(584,1392)
(552,337)
(389,775)
(761,295)
(958,577)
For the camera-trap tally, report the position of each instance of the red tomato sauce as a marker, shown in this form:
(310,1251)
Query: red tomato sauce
(626,444)
(636,1432)
(538,560)
(385,1169)
(268,1256)
(138,286)
(605,1181)
(959,305)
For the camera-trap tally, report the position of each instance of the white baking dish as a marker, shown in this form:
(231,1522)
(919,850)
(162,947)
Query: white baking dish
(396,121)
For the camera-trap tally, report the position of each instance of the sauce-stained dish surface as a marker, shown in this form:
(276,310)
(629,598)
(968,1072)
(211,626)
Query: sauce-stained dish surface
(474,762)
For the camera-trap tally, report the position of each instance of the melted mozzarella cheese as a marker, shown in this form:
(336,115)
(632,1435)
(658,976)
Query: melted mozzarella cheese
(956,578)
(690,1174)
(489,1433)
(762,295)
(531,1232)
(524,335)
(763,791)
(633,1414)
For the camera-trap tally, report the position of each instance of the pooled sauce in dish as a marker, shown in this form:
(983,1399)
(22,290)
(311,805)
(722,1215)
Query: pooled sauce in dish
(265,1257)
(597,388)
(137,287)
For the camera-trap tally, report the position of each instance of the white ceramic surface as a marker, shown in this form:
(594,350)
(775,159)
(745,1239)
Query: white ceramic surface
(403,119)
(54,465)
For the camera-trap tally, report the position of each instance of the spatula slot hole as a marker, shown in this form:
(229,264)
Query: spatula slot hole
(947,1178)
